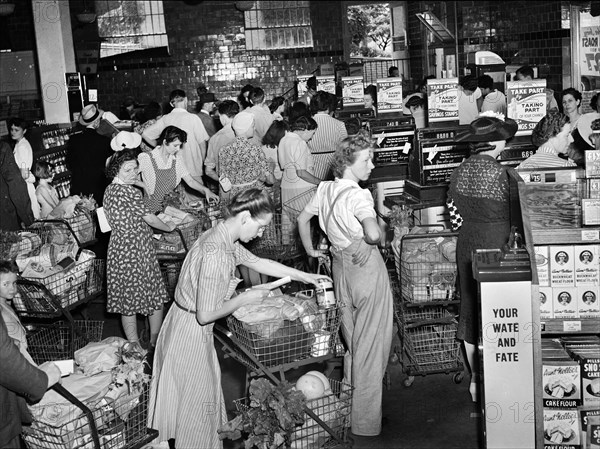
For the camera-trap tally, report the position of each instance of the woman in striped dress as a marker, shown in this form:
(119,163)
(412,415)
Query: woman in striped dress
(186,399)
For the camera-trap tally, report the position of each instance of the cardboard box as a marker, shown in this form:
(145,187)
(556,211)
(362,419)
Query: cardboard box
(589,417)
(588,301)
(564,423)
(590,212)
(564,302)
(542,265)
(561,383)
(593,188)
(587,269)
(592,163)
(546,309)
(589,361)
(562,266)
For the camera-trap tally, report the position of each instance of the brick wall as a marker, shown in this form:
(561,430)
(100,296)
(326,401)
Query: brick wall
(207,45)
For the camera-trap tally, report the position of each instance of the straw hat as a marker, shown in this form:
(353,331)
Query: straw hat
(488,129)
(125,140)
(89,114)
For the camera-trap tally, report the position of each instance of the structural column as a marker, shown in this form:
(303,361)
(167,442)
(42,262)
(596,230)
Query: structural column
(56,56)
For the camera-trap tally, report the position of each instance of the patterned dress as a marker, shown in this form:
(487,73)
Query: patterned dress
(134,282)
(186,398)
(243,163)
(480,190)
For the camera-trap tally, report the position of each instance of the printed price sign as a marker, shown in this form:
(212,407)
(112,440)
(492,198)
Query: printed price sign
(442,96)
(302,79)
(353,91)
(389,95)
(526,103)
(590,51)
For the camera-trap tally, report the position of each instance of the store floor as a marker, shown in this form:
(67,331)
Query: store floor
(432,413)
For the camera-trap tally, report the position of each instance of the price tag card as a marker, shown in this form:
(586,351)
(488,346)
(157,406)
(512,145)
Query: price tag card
(588,235)
(572,326)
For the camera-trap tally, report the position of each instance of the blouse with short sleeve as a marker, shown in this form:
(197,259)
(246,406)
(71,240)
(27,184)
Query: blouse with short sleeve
(147,170)
(294,155)
(351,205)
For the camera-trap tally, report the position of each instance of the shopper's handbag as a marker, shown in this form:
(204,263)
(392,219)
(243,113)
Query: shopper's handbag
(455,218)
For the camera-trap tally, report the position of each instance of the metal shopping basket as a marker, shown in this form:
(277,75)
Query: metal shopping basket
(99,424)
(333,410)
(295,205)
(53,295)
(179,241)
(311,338)
(279,242)
(82,225)
(59,341)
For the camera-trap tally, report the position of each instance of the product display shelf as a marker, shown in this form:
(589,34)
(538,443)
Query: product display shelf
(575,326)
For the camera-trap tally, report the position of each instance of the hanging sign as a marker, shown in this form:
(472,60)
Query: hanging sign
(526,103)
(442,100)
(389,95)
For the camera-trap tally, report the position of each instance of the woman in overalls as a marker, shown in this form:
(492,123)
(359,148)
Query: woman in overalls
(162,170)
(347,215)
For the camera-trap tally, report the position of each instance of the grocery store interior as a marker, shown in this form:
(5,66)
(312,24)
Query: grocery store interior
(413,76)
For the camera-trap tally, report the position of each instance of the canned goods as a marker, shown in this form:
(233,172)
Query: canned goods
(325,294)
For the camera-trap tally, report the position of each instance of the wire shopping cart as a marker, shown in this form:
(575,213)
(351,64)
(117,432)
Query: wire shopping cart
(425,308)
(82,226)
(279,242)
(59,341)
(99,424)
(295,205)
(284,346)
(295,344)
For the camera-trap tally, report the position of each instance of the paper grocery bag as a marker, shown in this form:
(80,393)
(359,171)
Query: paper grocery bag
(102,221)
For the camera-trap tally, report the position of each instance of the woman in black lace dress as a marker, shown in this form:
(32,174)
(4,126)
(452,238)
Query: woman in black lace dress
(479,188)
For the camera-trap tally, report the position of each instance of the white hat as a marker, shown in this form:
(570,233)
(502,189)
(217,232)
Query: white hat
(125,140)
(89,114)
(242,122)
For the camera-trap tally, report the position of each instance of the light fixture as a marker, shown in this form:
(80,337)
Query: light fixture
(86,16)
(244,6)
(6,8)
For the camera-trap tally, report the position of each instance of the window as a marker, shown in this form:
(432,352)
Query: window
(125,25)
(276,25)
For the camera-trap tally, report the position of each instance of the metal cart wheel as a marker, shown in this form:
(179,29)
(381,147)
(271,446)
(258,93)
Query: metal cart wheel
(458,377)
(409,381)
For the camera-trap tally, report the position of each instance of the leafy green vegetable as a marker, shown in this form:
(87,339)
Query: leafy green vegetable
(269,417)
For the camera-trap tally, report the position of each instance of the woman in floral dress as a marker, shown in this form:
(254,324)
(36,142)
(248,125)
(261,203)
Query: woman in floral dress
(242,164)
(134,282)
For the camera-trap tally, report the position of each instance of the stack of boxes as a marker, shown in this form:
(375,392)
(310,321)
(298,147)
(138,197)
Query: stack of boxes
(571,389)
(591,204)
(569,277)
